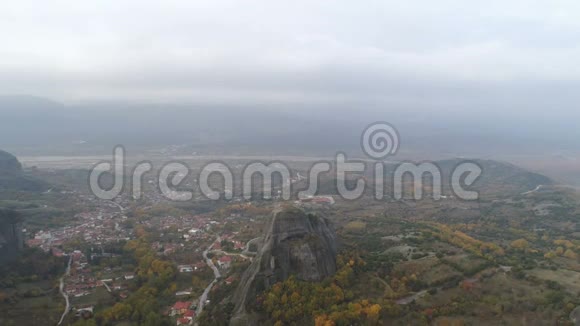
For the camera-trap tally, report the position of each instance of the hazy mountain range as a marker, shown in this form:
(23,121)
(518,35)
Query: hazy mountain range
(48,127)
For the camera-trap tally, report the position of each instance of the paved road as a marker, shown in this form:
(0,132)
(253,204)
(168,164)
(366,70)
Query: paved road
(247,249)
(533,190)
(107,287)
(411,298)
(216,274)
(61,290)
(121,208)
(221,252)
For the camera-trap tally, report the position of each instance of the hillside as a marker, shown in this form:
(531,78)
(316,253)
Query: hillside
(498,179)
(13,178)
(9,163)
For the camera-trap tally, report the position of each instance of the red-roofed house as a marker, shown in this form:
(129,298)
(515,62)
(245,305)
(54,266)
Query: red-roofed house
(180,307)
(230,280)
(57,252)
(238,245)
(183,321)
(225,262)
(199,265)
(77,255)
(34,242)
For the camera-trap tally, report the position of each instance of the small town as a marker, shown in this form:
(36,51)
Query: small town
(202,247)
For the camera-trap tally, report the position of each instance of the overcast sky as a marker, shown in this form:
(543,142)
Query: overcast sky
(431,53)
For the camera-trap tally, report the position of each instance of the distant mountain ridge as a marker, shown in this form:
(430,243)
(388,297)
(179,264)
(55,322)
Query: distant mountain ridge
(34,122)
(44,126)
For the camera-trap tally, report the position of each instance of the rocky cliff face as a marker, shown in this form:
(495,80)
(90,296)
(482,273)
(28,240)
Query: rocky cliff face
(11,239)
(12,178)
(296,244)
(9,163)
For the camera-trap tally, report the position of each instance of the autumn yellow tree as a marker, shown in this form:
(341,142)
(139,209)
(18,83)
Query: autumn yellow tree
(570,254)
(521,244)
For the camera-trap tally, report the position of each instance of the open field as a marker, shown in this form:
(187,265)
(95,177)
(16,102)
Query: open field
(570,280)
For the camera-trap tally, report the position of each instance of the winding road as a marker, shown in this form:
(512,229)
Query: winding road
(246,250)
(61,290)
(216,274)
(533,190)
(121,208)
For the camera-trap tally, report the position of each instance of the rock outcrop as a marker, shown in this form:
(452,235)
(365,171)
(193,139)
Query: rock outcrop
(13,178)
(11,238)
(298,244)
(9,163)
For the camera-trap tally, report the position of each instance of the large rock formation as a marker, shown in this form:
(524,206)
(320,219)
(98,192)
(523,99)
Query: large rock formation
(9,163)
(12,177)
(296,244)
(11,239)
